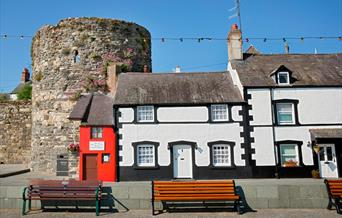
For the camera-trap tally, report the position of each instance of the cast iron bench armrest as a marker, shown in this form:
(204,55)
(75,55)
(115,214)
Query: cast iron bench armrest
(334,189)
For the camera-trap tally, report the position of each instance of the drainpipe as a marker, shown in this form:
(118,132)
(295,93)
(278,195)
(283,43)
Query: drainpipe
(274,134)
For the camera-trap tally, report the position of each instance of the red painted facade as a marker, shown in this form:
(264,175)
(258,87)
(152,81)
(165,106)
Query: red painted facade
(106,171)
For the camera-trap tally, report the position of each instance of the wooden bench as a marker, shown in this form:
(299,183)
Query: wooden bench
(334,188)
(192,191)
(62,190)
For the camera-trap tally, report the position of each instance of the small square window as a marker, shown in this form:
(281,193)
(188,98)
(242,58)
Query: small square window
(221,155)
(105,158)
(219,112)
(145,113)
(96,132)
(283,78)
(285,113)
(145,155)
(289,155)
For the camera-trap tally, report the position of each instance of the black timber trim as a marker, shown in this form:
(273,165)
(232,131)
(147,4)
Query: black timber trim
(117,141)
(301,124)
(295,103)
(193,146)
(292,86)
(135,146)
(299,147)
(231,148)
(179,104)
(248,140)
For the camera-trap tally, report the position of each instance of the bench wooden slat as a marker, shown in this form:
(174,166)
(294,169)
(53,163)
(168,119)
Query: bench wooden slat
(166,198)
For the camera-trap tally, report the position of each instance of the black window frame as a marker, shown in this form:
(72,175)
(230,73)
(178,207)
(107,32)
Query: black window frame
(295,111)
(294,142)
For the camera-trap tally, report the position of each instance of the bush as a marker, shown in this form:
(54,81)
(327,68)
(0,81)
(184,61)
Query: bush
(25,93)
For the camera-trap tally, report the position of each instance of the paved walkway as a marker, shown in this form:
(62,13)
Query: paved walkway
(271,213)
(12,169)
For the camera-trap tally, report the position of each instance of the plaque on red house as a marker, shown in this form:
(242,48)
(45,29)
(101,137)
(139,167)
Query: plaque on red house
(96,146)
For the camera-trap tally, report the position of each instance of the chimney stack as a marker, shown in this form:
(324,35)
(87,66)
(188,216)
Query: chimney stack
(235,43)
(25,76)
(287,48)
(178,69)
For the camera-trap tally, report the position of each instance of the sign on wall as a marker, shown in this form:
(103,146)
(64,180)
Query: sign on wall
(96,146)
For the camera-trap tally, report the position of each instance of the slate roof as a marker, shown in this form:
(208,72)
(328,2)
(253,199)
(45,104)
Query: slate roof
(326,133)
(308,69)
(94,110)
(20,86)
(175,88)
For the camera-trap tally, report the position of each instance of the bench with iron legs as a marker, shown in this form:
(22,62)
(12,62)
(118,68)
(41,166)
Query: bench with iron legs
(62,190)
(194,191)
(334,188)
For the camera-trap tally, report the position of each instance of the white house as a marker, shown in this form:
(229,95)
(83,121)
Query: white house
(292,99)
(180,125)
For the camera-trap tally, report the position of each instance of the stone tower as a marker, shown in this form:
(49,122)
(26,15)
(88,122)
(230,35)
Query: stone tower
(69,59)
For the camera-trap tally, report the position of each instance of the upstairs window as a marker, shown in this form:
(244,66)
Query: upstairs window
(96,132)
(285,113)
(145,114)
(283,78)
(219,112)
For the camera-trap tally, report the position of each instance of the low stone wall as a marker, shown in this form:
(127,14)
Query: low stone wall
(15,132)
(259,194)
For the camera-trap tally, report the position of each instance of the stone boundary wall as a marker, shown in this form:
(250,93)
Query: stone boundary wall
(15,132)
(259,194)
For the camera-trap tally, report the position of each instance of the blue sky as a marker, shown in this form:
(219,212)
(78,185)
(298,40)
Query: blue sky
(177,18)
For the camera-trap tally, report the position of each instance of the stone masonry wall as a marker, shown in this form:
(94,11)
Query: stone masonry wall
(69,59)
(15,132)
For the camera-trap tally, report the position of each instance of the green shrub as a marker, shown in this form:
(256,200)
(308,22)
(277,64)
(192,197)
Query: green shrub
(25,93)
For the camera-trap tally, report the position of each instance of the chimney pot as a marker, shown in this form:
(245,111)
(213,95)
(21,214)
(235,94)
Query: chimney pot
(234,27)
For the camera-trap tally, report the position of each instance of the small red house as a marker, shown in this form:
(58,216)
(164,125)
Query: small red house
(97,137)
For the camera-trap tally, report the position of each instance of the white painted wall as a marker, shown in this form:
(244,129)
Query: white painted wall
(316,105)
(264,146)
(235,113)
(182,114)
(201,133)
(235,78)
(261,106)
(127,115)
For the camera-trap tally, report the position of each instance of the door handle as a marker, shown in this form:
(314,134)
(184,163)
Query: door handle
(182,158)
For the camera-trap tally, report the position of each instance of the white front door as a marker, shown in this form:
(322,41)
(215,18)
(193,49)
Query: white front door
(327,161)
(182,161)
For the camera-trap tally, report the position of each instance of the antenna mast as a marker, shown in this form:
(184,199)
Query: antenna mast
(237,13)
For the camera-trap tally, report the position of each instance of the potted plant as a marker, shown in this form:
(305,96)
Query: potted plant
(73,147)
(315,174)
(290,163)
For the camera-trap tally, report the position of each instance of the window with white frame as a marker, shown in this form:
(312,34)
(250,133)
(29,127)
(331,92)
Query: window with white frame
(283,78)
(145,155)
(145,113)
(289,155)
(285,113)
(219,112)
(221,155)
(96,132)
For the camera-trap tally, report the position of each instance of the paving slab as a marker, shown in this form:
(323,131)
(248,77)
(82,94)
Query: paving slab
(267,213)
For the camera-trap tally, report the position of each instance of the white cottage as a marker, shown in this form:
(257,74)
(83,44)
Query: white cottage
(294,103)
(180,125)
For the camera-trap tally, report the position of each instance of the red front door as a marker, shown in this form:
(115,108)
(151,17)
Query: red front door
(90,167)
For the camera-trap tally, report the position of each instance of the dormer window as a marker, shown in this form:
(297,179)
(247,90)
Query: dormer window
(283,78)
